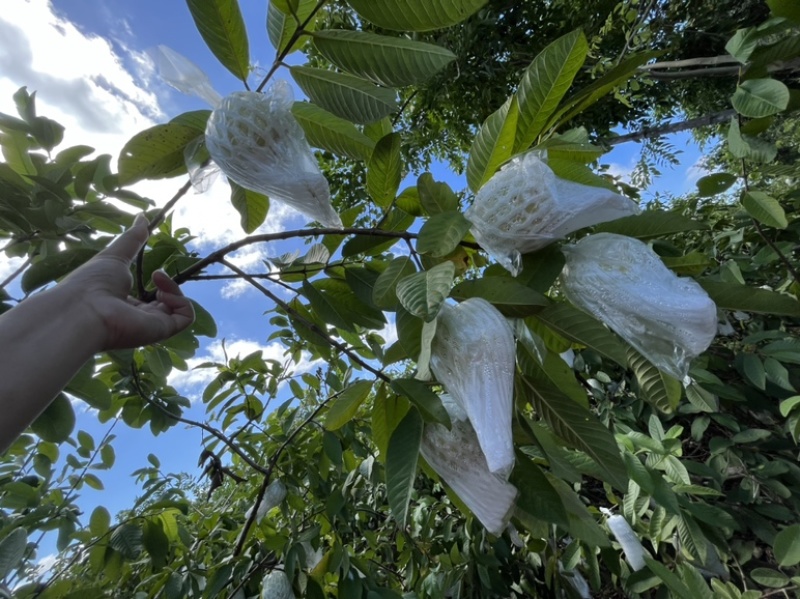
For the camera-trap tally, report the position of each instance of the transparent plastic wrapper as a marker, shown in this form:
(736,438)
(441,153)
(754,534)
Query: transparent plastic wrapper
(472,355)
(525,207)
(185,76)
(631,545)
(273,497)
(202,170)
(276,585)
(457,457)
(621,281)
(257,143)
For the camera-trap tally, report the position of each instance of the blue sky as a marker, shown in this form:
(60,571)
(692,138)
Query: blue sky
(87,60)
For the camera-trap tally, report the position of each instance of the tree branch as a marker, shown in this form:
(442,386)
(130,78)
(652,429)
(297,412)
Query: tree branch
(209,429)
(218,255)
(650,132)
(310,325)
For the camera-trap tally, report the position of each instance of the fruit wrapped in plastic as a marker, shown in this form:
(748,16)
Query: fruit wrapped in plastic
(258,144)
(525,207)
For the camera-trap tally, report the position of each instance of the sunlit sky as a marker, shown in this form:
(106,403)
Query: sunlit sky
(87,60)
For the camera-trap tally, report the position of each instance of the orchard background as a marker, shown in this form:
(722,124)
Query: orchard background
(704,469)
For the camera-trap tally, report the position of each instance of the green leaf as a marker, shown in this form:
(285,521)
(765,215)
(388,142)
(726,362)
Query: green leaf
(732,296)
(692,264)
(493,145)
(423,293)
(100,521)
(346,405)
(769,578)
(581,328)
(753,370)
(657,388)
(442,233)
(385,170)
(787,546)
(387,412)
(506,294)
(788,9)
(537,496)
(251,206)
(197,119)
(387,61)
(426,401)
(281,26)
(765,209)
(155,153)
(673,583)
(415,15)
(758,98)
(334,302)
(398,220)
(650,224)
(53,267)
(329,132)
(579,429)
(16,146)
(435,196)
(346,96)
(703,400)
(789,404)
(221,25)
(401,463)
(12,550)
(127,539)
(746,146)
(589,95)
(56,423)
(545,83)
(714,184)
(384,293)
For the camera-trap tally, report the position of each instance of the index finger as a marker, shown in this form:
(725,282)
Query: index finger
(126,246)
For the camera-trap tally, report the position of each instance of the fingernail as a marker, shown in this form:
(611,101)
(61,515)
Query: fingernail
(140,218)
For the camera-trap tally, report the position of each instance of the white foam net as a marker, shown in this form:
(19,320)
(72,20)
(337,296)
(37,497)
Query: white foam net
(525,207)
(257,143)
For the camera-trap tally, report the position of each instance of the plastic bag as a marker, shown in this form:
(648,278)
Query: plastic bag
(273,497)
(202,170)
(669,319)
(525,207)
(257,143)
(276,585)
(457,457)
(185,76)
(472,355)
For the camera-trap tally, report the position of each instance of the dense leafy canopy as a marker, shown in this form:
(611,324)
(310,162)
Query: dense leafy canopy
(315,480)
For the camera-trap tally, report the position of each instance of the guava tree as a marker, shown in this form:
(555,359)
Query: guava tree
(561,414)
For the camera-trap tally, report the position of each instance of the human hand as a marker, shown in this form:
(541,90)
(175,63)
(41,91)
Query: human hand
(101,287)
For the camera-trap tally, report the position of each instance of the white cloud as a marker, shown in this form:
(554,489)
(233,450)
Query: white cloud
(79,79)
(694,173)
(102,92)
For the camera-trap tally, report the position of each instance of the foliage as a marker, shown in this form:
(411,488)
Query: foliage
(703,469)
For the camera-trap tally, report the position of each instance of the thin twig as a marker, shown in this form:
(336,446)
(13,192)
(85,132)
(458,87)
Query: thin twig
(16,273)
(783,258)
(169,206)
(273,462)
(218,255)
(310,325)
(209,429)
(298,33)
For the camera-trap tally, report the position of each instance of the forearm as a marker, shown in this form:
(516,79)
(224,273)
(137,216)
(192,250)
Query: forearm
(43,342)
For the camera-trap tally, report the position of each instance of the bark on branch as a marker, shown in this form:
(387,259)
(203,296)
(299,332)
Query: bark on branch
(653,132)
